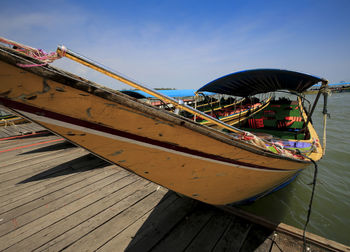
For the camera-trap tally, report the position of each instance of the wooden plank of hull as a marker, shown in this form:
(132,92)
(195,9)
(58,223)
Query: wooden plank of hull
(190,175)
(181,155)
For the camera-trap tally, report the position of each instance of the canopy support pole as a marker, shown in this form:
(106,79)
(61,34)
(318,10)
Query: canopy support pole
(325,114)
(323,86)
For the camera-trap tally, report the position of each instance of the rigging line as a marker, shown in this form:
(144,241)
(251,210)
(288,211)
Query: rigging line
(273,242)
(166,105)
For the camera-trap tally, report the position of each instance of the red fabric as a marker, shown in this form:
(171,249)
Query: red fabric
(256,123)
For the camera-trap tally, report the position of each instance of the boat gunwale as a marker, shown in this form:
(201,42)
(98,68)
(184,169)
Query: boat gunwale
(14,57)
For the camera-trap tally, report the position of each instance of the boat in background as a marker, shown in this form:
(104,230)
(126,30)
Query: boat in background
(7,118)
(238,113)
(228,109)
(332,88)
(218,167)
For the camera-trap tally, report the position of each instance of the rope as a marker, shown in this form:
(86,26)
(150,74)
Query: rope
(38,54)
(273,242)
(310,203)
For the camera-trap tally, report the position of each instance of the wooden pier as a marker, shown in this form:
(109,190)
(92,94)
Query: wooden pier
(55,196)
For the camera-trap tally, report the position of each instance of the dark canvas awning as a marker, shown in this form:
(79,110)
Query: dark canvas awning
(251,82)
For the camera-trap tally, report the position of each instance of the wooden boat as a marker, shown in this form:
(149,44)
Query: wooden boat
(214,166)
(210,105)
(229,110)
(239,114)
(332,88)
(7,118)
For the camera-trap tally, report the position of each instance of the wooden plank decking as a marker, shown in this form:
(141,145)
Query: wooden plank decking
(55,196)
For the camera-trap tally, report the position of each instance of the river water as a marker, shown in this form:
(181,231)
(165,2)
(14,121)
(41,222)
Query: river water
(330,216)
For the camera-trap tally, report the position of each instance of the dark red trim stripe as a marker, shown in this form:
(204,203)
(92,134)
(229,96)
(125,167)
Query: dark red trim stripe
(102,128)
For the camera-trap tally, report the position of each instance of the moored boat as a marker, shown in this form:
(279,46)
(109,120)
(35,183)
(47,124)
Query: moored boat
(237,113)
(230,110)
(210,165)
(7,118)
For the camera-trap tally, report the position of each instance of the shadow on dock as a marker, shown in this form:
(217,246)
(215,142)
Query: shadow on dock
(53,147)
(182,224)
(78,165)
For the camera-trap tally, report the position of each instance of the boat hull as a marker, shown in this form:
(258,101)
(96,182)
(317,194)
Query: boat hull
(174,152)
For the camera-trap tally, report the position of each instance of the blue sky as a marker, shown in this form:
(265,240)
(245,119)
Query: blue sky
(185,44)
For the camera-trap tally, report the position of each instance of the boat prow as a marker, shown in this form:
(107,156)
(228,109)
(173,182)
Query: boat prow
(203,163)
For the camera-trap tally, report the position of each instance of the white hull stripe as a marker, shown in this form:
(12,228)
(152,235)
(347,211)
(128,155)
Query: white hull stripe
(55,122)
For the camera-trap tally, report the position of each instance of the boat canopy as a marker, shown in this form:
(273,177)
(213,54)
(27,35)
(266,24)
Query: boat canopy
(138,94)
(256,81)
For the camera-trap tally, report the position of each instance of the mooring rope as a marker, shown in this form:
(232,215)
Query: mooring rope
(310,203)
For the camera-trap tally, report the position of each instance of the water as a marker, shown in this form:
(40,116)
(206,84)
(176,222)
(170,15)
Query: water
(330,216)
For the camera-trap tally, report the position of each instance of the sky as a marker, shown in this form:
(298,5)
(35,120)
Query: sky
(186,44)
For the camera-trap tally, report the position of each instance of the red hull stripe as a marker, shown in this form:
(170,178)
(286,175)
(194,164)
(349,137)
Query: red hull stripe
(102,128)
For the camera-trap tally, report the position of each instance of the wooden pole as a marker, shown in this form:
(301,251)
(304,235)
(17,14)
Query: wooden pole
(64,52)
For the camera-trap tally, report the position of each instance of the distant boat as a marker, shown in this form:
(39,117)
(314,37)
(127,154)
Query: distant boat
(214,166)
(333,88)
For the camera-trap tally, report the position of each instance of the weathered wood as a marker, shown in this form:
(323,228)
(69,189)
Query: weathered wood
(8,153)
(46,169)
(74,226)
(211,233)
(22,139)
(51,202)
(121,241)
(183,234)
(23,147)
(19,129)
(108,230)
(234,236)
(55,188)
(84,204)
(255,240)
(5,132)
(160,223)
(43,179)
(38,165)
(315,240)
(20,161)
(43,222)
(110,207)
(131,234)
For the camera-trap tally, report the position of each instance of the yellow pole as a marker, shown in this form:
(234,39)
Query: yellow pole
(64,52)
